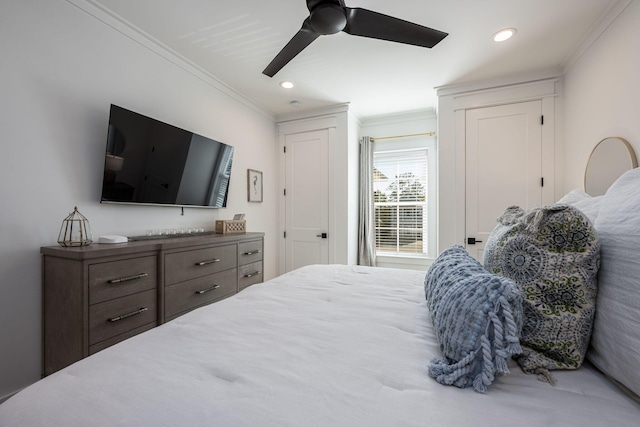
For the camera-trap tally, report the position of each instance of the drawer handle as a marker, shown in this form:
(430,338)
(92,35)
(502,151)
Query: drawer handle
(204,291)
(211,261)
(255,273)
(126,279)
(252,252)
(125,316)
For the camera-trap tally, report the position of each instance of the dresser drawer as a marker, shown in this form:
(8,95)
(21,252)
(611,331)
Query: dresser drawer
(115,279)
(250,274)
(114,340)
(193,293)
(117,316)
(249,252)
(181,266)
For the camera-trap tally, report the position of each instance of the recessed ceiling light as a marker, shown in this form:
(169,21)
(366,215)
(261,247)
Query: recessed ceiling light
(286,84)
(505,34)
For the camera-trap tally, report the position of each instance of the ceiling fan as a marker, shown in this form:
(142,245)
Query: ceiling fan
(332,16)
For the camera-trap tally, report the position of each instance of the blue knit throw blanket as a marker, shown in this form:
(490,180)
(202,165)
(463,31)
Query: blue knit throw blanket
(477,318)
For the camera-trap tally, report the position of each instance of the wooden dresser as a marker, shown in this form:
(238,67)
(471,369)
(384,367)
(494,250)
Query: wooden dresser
(95,296)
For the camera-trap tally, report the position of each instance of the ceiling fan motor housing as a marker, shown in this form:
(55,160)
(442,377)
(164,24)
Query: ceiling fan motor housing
(328,19)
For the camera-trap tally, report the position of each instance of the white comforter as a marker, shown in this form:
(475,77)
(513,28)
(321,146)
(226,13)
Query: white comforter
(321,346)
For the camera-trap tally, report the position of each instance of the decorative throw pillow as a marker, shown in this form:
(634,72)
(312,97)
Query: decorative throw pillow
(553,255)
(477,317)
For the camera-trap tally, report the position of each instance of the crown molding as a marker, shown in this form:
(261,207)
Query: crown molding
(594,33)
(139,36)
(394,118)
(315,113)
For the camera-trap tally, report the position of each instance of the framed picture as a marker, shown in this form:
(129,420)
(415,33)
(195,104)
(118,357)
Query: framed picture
(254,185)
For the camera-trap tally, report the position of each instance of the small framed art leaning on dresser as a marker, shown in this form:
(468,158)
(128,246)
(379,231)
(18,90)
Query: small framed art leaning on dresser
(96,296)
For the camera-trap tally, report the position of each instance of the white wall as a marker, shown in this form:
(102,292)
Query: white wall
(602,92)
(353,189)
(61,69)
(409,123)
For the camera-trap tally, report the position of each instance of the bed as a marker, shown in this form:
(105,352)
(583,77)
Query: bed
(334,345)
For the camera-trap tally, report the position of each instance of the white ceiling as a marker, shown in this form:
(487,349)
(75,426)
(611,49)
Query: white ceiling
(235,40)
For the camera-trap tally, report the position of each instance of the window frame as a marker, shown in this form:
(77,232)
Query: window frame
(428,143)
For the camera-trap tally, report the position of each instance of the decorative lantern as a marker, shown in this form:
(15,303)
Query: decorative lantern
(75,230)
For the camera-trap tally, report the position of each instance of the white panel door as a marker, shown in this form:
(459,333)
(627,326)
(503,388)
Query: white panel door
(503,166)
(307,199)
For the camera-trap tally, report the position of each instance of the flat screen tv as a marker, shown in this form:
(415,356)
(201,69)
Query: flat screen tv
(151,162)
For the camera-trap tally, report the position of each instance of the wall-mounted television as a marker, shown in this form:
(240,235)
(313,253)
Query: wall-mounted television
(151,162)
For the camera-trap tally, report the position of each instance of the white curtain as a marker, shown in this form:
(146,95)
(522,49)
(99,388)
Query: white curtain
(366,225)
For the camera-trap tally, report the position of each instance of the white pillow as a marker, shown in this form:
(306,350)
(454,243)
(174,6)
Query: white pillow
(590,207)
(577,198)
(573,196)
(615,343)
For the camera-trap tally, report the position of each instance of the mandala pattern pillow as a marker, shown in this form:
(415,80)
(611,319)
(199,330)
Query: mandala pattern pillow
(553,255)
(477,318)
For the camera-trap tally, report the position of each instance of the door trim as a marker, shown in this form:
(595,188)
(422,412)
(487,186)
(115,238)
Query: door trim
(451,147)
(303,126)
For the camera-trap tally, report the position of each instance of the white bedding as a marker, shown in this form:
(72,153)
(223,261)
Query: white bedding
(321,346)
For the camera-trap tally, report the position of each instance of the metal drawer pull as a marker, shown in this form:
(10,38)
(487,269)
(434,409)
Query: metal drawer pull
(208,262)
(125,316)
(204,291)
(252,274)
(252,252)
(126,279)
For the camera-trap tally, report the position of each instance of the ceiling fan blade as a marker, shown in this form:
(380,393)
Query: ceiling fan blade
(303,38)
(366,23)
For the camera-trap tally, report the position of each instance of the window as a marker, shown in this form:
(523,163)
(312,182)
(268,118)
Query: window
(403,212)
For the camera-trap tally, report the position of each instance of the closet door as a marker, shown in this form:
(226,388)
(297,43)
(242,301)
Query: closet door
(307,199)
(503,166)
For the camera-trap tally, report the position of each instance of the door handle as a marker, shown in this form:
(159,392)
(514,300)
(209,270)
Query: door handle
(472,241)
(323,235)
